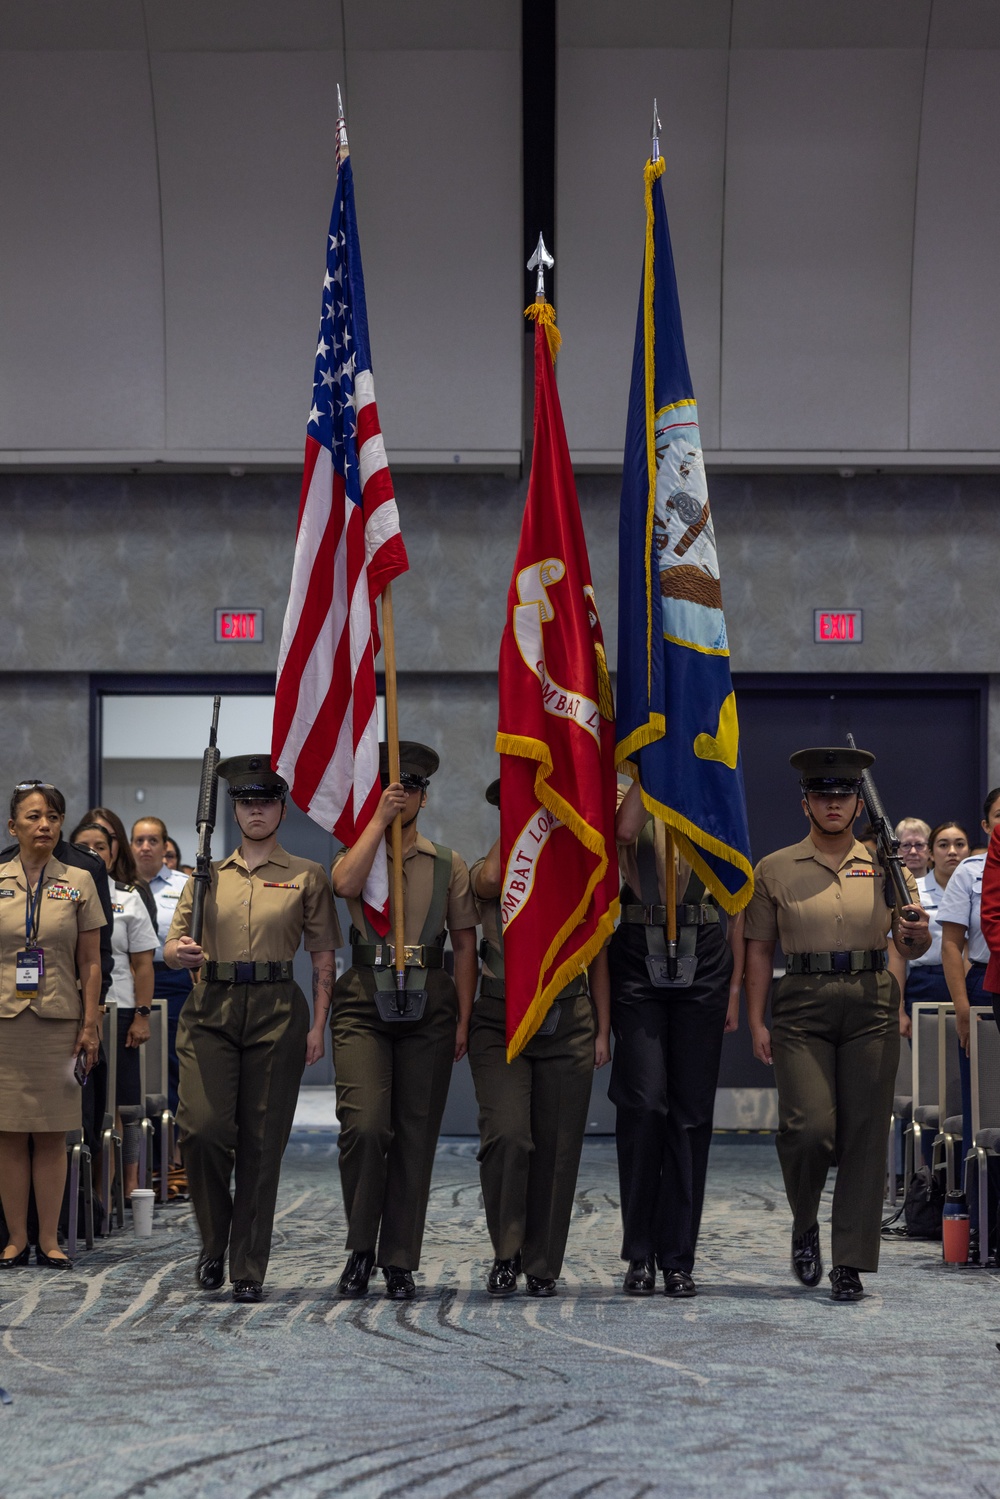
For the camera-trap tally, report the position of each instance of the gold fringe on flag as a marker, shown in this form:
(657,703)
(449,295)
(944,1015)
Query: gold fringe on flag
(545,313)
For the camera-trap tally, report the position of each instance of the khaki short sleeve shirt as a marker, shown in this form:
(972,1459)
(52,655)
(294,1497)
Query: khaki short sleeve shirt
(418,887)
(808,905)
(69,905)
(263,915)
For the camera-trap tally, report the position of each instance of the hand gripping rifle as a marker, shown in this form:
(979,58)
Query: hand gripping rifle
(205,820)
(887,844)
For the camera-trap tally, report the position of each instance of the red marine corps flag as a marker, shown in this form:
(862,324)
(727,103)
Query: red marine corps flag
(556,732)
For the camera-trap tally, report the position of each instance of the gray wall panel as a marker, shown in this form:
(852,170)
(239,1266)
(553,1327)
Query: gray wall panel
(956,311)
(81,315)
(248,172)
(436,138)
(605,106)
(43,734)
(819,214)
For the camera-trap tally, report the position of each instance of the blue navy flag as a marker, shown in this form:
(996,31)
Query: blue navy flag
(677,727)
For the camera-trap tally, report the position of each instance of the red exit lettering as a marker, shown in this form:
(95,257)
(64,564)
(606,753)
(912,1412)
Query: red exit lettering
(239,626)
(838,625)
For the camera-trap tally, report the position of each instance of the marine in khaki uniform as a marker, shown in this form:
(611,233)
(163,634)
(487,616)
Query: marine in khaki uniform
(244,1033)
(532,1111)
(392,1069)
(835,1015)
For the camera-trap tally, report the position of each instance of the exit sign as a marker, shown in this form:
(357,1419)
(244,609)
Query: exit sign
(245,625)
(838,626)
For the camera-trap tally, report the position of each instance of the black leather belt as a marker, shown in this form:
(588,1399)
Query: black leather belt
(855,961)
(491,988)
(246,973)
(689,915)
(383,955)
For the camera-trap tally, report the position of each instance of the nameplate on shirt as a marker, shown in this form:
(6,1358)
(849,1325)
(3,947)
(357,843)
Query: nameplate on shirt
(62,892)
(279,884)
(170,894)
(5,893)
(859,874)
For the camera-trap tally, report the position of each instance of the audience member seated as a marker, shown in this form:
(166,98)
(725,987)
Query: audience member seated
(925,980)
(914,845)
(123,869)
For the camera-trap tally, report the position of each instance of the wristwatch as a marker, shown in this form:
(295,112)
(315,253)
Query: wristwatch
(143,1010)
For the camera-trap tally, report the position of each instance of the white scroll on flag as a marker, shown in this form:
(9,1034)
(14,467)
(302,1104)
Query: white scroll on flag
(348,547)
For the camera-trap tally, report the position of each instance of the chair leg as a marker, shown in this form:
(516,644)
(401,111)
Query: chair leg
(119,1183)
(74,1198)
(145,1152)
(166,1152)
(982,1173)
(107,1160)
(890,1164)
(88,1201)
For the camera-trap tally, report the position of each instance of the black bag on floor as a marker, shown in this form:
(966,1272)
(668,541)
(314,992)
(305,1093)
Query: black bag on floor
(923,1207)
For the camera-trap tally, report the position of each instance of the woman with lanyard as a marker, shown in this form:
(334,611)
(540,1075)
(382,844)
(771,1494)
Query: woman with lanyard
(133,939)
(50,988)
(964,950)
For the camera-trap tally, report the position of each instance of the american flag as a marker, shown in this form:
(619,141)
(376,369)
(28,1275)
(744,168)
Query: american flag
(347,549)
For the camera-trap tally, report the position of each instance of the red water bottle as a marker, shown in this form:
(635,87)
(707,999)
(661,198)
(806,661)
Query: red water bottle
(955,1230)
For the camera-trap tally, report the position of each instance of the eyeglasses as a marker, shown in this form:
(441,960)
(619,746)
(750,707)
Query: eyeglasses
(34,786)
(915,847)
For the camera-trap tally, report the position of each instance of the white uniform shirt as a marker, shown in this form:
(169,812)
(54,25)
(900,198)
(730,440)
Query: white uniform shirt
(931,896)
(132,932)
(961,903)
(166,888)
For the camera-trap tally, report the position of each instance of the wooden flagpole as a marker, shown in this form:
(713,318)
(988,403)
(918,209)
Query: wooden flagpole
(392,741)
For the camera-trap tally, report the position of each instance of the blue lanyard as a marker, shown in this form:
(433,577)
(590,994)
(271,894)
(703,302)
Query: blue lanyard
(31,909)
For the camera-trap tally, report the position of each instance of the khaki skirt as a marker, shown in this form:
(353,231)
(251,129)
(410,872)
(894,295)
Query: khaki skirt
(38,1091)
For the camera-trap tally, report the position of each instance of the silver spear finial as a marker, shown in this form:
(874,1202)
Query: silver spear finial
(655,133)
(342,146)
(544,261)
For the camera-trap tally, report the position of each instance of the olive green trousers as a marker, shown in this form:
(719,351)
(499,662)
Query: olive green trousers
(532,1119)
(835,1046)
(392,1084)
(241,1049)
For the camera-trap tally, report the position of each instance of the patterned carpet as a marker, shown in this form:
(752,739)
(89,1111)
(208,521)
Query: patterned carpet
(129,1384)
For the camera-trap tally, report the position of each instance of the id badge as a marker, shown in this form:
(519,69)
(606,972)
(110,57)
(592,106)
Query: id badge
(29,967)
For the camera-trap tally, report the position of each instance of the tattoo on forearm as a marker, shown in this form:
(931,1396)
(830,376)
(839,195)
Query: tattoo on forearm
(322,981)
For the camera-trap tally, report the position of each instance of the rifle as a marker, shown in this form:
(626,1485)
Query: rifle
(887,844)
(205,822)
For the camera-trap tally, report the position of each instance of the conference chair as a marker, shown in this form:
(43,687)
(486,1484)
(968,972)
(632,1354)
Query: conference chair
(155,1092)
(925,1114)
(80,1175)
(112,1166)
(984,1067)
(902,1111)
(944,1151)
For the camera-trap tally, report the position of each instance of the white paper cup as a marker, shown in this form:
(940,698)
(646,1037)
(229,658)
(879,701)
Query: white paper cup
(142,1212)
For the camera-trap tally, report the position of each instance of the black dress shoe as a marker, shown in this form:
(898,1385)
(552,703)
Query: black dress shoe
(54,1261)
(806,1261)
(541,1285)
(14,1260)
(845,1284)
(357,1273)
(502,1279)
(210,1274)
(398,1284)
(248,1290)
(640,1278)
(678,1283)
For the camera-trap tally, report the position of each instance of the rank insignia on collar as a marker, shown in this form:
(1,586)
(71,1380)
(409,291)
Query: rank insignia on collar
(280,884)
